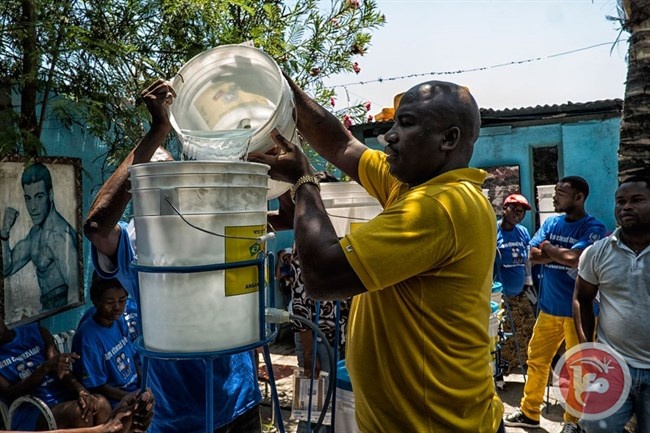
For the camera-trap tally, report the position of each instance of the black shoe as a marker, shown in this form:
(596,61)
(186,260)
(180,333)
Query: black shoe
(518,419)
(571,427)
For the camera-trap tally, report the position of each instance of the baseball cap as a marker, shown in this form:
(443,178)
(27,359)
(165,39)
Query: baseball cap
(517,199)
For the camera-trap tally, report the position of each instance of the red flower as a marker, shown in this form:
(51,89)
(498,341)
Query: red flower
(347,121)
(367,105)
(353,4)
(335,22)
(314,71)
(356,67)
(370,118)
(332,101)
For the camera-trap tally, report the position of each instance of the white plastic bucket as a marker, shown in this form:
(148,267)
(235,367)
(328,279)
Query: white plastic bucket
(199,311)
(348,205)
(229,99)
(344,422)
(545,195)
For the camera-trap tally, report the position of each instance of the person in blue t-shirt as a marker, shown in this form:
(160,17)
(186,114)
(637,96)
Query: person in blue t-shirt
(510,270)
(107,363)
(512,245)
(178,386)
(557,246)
(30,364)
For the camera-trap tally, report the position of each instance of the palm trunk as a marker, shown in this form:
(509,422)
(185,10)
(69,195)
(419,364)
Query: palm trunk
(634,150)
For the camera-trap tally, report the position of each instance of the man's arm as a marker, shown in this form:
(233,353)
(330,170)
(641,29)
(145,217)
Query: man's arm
(583,310)
(326,134)
(106,210)
(325,269)
(13,260)
(109,391)
(61,367)
(538,257)
(563,256)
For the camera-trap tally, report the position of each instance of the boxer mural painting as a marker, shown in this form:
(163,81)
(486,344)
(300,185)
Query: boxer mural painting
(39,233)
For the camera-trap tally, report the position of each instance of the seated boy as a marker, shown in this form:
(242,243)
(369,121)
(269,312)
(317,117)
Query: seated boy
(107,358)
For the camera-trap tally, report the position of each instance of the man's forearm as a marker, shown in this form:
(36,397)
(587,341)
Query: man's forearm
(563,256)
(320,252)
(108,207)
(110,392)
(538,257)
(312,119)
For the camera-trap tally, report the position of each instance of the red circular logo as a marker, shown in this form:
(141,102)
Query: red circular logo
(591,381)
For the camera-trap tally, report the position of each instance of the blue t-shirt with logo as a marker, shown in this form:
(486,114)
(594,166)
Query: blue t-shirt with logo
(557,280)
(106,357)
(510,264)
(179,386)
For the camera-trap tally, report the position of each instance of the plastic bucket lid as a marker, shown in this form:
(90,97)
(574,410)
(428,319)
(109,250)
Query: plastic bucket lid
(228,101)
(494,306)
(497,287)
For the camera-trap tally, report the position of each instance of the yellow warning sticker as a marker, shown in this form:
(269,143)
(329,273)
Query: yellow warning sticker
(242,246)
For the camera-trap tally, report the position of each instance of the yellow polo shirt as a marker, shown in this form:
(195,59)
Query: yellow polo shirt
(418,347)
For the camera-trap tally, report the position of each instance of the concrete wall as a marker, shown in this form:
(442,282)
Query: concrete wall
(588,149)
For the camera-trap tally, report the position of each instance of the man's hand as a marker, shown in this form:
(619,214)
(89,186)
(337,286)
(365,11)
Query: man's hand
(88,404)
(59,364)
(132,414)
(158,97)
(288,162)
(8,221)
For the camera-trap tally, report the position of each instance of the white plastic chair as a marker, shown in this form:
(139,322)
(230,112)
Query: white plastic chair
(4,415)
(43,408)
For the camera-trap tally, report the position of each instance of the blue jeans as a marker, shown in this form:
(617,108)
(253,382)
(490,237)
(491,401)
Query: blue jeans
(637,402)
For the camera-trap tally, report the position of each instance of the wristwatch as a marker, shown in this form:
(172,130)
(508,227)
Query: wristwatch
(300,182)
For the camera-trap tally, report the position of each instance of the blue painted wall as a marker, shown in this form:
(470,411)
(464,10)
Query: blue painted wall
(588,149)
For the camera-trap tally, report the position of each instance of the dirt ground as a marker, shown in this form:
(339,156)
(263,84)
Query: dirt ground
(282,355)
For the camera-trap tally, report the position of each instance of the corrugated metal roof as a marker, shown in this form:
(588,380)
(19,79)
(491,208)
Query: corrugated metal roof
(540,114)
(604,108)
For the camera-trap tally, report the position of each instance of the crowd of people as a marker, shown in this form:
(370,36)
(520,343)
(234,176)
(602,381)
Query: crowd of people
(415,284)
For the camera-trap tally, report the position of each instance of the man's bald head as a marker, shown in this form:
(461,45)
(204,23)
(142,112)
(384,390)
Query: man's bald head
(452,104)
(436,125)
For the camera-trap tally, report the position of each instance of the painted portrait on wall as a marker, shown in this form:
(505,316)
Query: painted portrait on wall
(500,183)
(40,233)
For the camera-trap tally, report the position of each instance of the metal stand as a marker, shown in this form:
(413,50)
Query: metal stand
(209,357)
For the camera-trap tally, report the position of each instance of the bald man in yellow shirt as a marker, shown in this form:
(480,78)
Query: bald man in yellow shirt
(420,272)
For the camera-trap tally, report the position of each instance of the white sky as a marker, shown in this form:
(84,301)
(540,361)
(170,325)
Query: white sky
(449,35)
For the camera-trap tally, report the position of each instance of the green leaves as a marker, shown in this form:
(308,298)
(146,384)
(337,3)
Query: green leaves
(92,57)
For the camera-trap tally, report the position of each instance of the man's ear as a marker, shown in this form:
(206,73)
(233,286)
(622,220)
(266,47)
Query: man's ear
(450,139)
